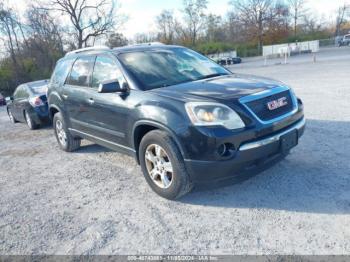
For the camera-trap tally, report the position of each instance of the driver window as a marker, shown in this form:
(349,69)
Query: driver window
(106,69)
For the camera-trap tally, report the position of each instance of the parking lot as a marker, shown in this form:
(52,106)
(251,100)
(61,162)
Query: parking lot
(95,201)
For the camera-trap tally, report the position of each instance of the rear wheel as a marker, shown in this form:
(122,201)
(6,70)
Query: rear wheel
(30,122)
(163,165)
(12,118)
(65,140)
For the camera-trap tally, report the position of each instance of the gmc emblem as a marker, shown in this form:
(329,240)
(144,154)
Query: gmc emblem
(272,105)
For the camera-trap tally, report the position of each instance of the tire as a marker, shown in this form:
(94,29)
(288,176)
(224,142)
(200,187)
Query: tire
(30,122)
(12,118)
(64,139)
(180,183)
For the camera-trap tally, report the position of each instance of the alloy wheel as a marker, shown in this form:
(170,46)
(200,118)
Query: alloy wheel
(159,166)
(61,133)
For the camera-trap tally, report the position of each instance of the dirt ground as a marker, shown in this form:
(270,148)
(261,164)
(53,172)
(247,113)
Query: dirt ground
(96,201)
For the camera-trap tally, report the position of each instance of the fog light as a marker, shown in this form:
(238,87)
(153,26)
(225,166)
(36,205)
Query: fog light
(225,150)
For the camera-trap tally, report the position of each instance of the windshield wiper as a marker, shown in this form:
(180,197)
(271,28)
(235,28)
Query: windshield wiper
(211,76)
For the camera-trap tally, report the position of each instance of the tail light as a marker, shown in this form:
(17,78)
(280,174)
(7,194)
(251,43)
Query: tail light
(36,101)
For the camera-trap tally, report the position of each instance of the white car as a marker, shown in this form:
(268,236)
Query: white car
(345,40)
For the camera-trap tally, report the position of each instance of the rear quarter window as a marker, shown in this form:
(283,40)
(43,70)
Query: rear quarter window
(61,71)
(80,73)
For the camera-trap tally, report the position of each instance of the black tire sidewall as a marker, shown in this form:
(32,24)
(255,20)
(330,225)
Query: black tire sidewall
(58,116)
(13,120)
(27,117)
(162,139)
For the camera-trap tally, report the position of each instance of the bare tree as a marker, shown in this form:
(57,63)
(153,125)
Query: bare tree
(297,11)
(9,27)
(255,15)
(89,19)
(194,17)
(312,24)
(341,17)
(214,28)
(44,38)
(116,39)
(166,22)
(145,38)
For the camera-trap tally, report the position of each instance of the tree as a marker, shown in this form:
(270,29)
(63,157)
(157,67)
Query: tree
(194,17)
(297,10)
(89,19)
(255,16)
(144,38)
(278,24)
(214,28)
(166,23)
(116,40)
(44,43)
(341,18)
(9,27)
(312,24)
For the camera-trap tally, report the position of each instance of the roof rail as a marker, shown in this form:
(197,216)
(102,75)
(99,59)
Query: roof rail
(142,44)
(86,49)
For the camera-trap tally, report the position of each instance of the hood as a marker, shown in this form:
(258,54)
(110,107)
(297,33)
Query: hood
(228,87)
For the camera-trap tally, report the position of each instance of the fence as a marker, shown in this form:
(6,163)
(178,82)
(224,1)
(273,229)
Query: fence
(291,48)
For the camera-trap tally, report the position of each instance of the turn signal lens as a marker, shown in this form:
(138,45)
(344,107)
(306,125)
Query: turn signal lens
(36,101)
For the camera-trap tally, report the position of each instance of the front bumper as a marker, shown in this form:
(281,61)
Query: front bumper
(250,159)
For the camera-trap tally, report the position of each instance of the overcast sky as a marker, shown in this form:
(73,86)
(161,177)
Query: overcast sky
(141,13)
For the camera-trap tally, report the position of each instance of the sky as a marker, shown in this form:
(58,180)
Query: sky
(141,13)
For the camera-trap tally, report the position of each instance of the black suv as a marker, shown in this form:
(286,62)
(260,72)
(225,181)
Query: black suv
(188,121)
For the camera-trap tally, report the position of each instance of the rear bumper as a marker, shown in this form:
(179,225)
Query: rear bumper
(41,114)
(250,159)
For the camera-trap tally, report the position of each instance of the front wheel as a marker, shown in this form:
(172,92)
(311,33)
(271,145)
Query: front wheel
(163,165)
(65,140)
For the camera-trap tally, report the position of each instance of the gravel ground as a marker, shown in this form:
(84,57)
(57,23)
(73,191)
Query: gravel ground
(95,201)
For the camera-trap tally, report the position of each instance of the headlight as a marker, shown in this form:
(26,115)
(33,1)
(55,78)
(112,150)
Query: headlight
(213,114)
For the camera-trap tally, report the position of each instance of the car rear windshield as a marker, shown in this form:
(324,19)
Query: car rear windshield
(38,88)
(165,67)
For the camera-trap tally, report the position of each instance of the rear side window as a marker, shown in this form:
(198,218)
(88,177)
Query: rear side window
(21,92)
(80,73)
(106,69)
(61,71)
(39,89)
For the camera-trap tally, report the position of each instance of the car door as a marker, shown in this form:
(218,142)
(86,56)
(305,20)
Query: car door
(108,112)
(76,93)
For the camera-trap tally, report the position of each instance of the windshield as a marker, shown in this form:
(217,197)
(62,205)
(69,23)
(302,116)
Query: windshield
(166,67)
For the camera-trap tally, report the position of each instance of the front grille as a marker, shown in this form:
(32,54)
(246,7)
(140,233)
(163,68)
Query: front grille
(261,110)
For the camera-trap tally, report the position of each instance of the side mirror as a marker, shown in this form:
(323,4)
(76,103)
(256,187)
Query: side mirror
(111,86)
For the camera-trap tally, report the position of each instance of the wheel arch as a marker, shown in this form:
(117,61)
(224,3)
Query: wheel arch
(141,128)
(52,111)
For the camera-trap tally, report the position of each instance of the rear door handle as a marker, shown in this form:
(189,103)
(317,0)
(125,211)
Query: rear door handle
(65,96)
(91,101)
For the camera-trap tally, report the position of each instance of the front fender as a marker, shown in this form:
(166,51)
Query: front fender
(55,102)
(166,117)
